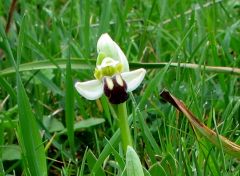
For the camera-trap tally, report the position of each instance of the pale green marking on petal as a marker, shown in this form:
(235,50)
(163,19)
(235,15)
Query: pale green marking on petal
(100,58)
(133,78)
(98,74)
(108,71)
(123,59)
(119,68)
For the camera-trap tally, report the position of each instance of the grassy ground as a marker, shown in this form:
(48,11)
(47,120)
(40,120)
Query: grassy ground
(81,137)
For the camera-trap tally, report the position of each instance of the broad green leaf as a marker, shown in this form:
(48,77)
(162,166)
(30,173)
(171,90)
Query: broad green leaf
(11,152)
(87,123)
(133,163)
(52,124)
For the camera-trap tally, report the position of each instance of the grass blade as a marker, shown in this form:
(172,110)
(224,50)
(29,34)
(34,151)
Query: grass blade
(8,88)
(31,144)
(91,160)
(69,107)
(77,63)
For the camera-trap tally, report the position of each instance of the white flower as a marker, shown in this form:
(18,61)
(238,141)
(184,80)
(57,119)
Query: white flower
(112,74)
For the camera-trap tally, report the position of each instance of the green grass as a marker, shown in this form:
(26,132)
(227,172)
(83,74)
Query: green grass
(52,44)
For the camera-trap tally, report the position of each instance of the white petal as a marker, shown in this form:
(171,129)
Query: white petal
(107,46)
(122,58)
(90,90)
(133,78)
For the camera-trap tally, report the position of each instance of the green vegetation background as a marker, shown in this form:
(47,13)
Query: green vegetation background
(77,135)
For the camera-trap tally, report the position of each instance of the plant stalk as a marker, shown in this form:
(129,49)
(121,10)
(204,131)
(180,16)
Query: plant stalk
(124,126)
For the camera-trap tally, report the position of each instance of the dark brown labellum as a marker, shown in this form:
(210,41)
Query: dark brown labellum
(115,88)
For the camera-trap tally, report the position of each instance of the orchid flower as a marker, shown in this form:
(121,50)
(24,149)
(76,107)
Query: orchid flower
(113,79)
(112,74)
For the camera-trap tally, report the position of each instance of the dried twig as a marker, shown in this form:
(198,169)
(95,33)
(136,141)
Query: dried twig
(10,15)
(216,139)
(9,21)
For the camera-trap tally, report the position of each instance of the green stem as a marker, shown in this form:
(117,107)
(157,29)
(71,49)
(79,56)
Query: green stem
(124,126)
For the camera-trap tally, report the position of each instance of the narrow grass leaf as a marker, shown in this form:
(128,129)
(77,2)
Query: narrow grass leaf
(207,156)
(41,50)
(80,64)
(81,170)
(115,139)
(196,165)
(105,16)
(46,64)
(169,164)
(49,84)
(183,152)
(32,144)
(147,133)
(156,170)
(69,107)
(118,157)
(55,143)
(106,110)
(86,28)
(31,141)
(2,172)
(91,160)
(8,88)
(152,85)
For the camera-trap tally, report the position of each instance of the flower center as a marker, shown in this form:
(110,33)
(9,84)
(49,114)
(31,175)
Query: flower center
(115,88)
(108,67)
